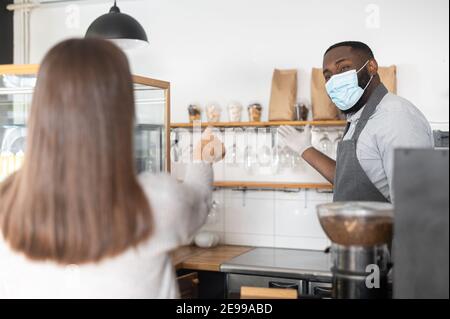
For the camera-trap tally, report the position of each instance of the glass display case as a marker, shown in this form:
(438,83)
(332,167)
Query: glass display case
(152,102)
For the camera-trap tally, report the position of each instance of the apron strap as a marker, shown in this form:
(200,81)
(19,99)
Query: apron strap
(347,127)
(375,99)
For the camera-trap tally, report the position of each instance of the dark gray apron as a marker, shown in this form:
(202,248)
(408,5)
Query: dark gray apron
(351,183)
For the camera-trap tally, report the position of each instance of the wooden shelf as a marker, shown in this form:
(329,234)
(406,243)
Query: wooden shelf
(261,185)
(262,124)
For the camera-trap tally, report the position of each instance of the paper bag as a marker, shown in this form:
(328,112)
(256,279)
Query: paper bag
(283,96)
(388,76)
(322,106)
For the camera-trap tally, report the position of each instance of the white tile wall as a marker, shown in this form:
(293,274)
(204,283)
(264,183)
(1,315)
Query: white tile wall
(269,218)
(263,194)
(294,220)
(249,216)
(249,240)
(301,243)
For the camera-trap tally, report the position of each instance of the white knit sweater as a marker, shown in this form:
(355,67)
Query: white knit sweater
(146,271)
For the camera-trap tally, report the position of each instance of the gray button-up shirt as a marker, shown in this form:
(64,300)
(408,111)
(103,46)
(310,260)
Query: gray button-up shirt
(396,123)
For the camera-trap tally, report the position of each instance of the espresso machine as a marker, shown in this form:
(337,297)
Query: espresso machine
(361,235)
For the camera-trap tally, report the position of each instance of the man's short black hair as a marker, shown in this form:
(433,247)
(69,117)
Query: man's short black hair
(356,45)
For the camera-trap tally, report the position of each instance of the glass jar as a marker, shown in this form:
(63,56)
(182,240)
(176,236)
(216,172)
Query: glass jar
(213,111)
(301,111)
(234,112)
(195,113)
(254,112)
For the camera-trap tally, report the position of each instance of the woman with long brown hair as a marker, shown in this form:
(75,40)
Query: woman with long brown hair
(75,220)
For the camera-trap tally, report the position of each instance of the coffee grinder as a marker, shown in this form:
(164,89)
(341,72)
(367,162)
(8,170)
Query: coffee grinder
(361,234)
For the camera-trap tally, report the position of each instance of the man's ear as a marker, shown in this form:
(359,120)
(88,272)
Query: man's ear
(373,67)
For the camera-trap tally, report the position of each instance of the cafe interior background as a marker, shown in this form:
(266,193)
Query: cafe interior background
(224,53)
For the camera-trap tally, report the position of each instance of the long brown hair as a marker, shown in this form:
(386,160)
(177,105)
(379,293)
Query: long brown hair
(76,198)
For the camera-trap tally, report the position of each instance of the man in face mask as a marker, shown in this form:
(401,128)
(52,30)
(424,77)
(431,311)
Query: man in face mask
(377,123)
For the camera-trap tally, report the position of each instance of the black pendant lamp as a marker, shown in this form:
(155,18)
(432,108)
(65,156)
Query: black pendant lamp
(118,27)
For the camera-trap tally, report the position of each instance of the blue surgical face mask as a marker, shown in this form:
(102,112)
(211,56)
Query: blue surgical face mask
(344,90)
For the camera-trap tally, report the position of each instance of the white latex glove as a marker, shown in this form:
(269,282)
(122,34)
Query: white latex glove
(295,140)
(210,149)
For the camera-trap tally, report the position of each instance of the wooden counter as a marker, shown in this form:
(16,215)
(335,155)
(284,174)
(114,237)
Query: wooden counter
(207,259)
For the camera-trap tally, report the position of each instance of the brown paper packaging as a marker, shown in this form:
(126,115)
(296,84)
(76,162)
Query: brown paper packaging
(283,95)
